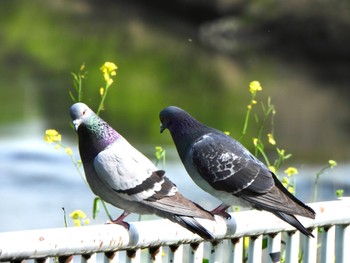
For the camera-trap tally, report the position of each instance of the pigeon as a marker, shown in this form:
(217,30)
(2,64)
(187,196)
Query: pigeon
(122,176)
(224,168)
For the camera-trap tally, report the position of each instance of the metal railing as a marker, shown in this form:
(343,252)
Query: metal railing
(249,236)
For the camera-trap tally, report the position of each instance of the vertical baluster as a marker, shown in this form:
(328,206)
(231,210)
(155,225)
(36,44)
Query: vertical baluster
(88,258)
(41,260)
(65,259)
(292,247)
(196,252)
(255,249)
(310,248)
(236,250)
(175,254)
(342,244)
(216,251)
(273,248)
(155,254)
(133,256)
(327,244)
(110,257)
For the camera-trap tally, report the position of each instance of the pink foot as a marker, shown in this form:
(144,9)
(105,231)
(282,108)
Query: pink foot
(120,221)
(220,210)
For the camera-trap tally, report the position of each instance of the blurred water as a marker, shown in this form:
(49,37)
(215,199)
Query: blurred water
(36,181)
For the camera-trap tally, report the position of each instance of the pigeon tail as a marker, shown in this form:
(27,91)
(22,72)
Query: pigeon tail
(302,209)
(192,225)
(292,220)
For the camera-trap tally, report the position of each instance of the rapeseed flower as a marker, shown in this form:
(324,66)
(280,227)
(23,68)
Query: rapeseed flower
(79,217)
(332,163)
(52,135)
(291,171)
(69,151)
(109,70)
(271,139)
(254,86)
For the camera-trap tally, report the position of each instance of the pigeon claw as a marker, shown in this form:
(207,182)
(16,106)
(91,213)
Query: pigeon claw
(122,223)
(220,211)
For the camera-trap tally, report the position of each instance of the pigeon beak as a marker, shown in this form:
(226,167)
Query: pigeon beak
(162,128)
(76,124)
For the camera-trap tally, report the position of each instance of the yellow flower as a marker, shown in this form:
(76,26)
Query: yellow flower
(102,91)
(255,141)
(285,182)
(254,102)
(254,86)
(52,135)
(271,139)
(272,169)
(332,163)
(69,151)
(291,189)
(249,106)
(79,217)
(109,66)
(291,171)
(227,132)
(109,69)
(77,214)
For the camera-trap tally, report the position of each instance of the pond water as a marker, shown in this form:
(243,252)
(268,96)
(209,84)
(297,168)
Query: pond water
(37,181)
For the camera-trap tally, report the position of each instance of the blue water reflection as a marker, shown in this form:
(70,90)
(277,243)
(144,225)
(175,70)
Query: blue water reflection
(36,181)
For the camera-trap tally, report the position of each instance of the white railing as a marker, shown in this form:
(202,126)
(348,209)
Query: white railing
(249,236)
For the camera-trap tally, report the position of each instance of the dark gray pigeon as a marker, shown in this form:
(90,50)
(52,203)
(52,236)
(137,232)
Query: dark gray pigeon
(122,176)
(224,168)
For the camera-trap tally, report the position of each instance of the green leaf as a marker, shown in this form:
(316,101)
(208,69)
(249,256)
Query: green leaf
(339,193)
(96,207)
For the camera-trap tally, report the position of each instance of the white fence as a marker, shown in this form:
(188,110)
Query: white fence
(249,236)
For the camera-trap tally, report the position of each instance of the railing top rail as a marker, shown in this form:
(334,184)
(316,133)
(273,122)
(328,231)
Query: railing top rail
(104,238)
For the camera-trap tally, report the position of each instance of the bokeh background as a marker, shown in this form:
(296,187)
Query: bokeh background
(199,55)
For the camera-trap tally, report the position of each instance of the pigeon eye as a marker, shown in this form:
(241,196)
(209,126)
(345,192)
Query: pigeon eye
(84,112)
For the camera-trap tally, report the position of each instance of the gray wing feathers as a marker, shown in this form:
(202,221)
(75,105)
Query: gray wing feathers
(226,169)
(129,173)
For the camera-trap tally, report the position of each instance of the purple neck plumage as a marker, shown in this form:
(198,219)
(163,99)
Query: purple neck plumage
(94,138)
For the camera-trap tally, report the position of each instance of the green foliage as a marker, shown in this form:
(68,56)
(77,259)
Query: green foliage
(267,113)
(53,136)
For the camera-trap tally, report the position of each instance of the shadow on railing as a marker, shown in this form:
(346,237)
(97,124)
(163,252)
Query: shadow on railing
(249,236)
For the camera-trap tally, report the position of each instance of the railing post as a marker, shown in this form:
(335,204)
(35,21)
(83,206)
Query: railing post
(342,244)
(155,254)
(133,256)
(292,247)
(175,254)
(236,253)
(88,258)
(255,249)
(310,247)
(273,246)
(196,252)
(216,251)
(328,244)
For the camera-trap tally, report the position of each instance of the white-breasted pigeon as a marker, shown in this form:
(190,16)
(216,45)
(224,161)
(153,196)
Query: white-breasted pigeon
(122,176)
(224,168)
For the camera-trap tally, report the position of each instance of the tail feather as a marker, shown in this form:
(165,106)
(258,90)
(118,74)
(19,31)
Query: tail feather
(292,220)
(194,226)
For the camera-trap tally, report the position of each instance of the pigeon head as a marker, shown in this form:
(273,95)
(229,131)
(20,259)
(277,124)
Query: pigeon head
(170,118)
(80,113)
(182,126)
(94,133)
